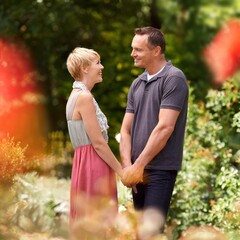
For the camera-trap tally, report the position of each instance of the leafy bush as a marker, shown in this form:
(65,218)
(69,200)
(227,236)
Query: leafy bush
(124,194)
(12,159)
(40,204)
(57,158)
(225,208)
(207,189)
(60,153)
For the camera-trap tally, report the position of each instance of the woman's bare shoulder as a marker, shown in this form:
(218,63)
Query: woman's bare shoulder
(85,97)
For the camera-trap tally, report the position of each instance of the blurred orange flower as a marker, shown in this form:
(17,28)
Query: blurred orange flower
(22,112)
(222,55)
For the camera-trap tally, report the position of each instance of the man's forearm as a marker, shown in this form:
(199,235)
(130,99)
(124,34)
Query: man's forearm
(155,144)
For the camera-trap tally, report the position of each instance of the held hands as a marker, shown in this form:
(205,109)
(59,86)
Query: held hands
(132,175)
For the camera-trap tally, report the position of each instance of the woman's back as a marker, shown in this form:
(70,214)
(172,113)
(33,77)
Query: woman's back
(77,132)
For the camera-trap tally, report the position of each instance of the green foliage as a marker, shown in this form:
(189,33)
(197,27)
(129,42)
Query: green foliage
(59,145)
(189,27)
(207,189)
(12,159)
(51,29)
(236,122)
(227,196)
(39,207)
(57,158)
(124,194)
(40,204)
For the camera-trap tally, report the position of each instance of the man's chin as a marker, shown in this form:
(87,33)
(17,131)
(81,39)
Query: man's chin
(138,65)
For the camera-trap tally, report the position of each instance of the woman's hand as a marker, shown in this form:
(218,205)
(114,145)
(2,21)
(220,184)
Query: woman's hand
(132,175)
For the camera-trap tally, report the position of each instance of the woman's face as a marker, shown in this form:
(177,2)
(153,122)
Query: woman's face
(95,70)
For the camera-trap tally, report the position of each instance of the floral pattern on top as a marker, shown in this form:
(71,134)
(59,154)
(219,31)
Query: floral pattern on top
(102,120)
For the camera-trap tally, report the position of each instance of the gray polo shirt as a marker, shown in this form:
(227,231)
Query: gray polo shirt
(166,90)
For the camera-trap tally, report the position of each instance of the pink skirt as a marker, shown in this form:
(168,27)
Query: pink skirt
(93,184)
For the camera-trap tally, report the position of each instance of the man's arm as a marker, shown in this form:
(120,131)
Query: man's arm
(125,140)
(156,142)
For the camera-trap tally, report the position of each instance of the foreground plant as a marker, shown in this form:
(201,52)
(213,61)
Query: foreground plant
(12,159)
(207,190)
(39,204)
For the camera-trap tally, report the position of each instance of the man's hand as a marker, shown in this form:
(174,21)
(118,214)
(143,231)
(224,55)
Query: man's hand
(132,175)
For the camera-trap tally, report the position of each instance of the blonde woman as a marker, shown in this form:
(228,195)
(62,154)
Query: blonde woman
(94,165)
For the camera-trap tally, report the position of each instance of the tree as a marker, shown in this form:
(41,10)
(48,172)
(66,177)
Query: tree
(51,29)
(189,27)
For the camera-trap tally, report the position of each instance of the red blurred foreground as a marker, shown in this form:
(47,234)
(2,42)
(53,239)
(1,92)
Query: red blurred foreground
(223,53)
(22,114)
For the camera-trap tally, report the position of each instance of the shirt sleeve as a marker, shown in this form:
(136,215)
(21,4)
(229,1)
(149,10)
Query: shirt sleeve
(175,92)
(130,101)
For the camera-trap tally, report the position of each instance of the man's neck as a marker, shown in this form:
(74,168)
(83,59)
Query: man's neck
(154,68)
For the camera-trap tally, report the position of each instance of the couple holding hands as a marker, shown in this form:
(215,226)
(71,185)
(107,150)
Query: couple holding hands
(152,132)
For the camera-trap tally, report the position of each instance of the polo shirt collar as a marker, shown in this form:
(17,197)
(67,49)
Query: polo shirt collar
(168,65)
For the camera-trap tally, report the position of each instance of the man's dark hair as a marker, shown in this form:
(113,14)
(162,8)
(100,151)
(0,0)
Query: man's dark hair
(155,36)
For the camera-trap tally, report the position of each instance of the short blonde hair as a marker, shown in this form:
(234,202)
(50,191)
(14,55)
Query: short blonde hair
(80,57)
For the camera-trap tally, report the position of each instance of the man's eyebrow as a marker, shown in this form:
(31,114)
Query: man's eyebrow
(137,48)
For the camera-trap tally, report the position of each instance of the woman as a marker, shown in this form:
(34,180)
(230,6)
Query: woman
(94,165)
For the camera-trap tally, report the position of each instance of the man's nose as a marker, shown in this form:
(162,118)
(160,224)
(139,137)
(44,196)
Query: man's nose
(132,53)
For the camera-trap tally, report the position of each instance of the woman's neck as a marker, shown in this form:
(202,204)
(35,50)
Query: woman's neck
(86,83)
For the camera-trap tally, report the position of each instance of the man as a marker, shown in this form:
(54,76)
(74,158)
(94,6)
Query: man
(152,132)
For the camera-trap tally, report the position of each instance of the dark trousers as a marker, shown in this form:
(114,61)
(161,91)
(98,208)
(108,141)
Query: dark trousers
(155,191)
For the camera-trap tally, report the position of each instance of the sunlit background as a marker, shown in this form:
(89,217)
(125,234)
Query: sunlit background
(36,36)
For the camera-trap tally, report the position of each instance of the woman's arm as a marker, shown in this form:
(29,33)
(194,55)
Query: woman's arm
(86,110)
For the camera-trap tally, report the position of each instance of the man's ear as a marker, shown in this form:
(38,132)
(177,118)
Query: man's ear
(157,50)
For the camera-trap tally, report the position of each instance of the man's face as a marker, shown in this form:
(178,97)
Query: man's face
(141,53)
